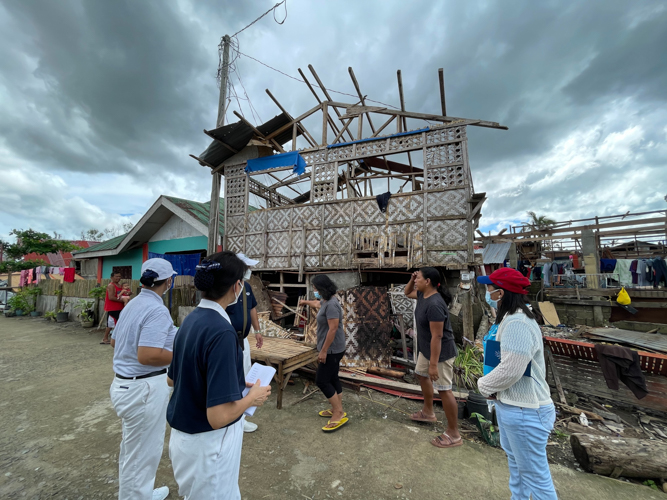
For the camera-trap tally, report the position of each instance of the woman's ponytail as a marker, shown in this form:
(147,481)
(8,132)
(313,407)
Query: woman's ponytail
(148,278)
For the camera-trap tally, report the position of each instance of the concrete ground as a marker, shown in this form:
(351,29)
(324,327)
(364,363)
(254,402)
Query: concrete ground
(59,438)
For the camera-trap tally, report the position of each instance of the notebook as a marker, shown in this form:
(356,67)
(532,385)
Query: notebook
(264,374)
(492,356)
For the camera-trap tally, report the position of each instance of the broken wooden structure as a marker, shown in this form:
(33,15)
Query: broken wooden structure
(317,209)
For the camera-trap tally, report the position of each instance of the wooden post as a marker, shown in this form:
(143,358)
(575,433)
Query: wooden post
(325,119)
(59,299)
(214,207)
(441,77)
(468,318)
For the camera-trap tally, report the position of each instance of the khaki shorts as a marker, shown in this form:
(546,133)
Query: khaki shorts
(445,372)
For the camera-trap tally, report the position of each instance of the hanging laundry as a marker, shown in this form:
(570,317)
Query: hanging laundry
(633,270)
(623,270)
(68,275)
(660,270)
(607,265)
(23,280)
(383,201)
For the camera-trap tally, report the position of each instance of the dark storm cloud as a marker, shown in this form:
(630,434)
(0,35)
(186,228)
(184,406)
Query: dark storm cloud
(117,93)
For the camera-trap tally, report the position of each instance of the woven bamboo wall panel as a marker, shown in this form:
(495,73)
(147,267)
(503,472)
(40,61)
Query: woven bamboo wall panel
(314,157)
(323,191)
(278,243)
(335,260)
(307,215)
(341,153)
(447,203)
(313,241)
(235,244)
(337,213)
(235,224)
(405,208)
(447,233)
(457,258)
(405,142)
(367,212)
(277,262)
(254,244)
(257,221)
(336,240)
(279,219)
(312,261)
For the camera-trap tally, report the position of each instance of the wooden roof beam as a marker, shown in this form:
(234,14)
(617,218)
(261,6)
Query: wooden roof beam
(302,129)
(354,110)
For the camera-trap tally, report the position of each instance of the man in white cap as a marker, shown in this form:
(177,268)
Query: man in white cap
(144,338)
(242,315)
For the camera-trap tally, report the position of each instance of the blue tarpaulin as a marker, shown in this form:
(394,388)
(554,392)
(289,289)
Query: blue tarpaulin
(291,159)
(183,264)
(411,132)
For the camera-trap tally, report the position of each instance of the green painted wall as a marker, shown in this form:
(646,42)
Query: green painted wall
(185,245)
(132,258)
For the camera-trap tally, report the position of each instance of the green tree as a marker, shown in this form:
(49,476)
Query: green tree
(539,221)
(29,241)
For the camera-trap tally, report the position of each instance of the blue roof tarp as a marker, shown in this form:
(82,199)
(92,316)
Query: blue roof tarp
(382,138)
(291,159)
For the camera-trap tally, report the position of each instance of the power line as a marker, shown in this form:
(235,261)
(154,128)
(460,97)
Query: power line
(260,17)
(313,84)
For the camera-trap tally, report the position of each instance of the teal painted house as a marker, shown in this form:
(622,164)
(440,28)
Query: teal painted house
(171,226)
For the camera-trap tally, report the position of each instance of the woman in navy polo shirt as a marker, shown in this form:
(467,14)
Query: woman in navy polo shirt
(206,408)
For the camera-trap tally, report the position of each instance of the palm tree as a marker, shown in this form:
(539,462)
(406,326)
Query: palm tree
(539,222)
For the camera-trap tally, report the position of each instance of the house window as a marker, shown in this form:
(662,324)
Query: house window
(125,272)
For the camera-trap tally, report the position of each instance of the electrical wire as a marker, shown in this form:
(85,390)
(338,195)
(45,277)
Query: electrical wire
(260,17)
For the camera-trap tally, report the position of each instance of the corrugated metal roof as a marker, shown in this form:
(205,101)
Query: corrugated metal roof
(495,253)
(61,259)
(105,245)
(237,135)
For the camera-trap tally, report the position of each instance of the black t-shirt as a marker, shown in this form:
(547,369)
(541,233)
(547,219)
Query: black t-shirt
(433,309)
(207,370)
(235,312)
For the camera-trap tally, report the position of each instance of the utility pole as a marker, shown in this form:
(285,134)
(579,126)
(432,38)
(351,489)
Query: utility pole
(214,215)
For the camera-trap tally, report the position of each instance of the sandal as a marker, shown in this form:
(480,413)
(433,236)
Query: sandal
(328,413)
(336,425)
(420,416)
(105,343)
(445,441)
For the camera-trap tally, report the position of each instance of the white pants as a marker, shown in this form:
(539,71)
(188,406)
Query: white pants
(206,465)
(246,356)
(142,407)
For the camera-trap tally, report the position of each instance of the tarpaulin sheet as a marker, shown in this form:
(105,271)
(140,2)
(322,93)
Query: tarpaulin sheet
(183,264)
(290,159)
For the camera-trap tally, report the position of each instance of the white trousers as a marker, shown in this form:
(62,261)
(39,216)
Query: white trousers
(246,356)
(206,465)
(142,407)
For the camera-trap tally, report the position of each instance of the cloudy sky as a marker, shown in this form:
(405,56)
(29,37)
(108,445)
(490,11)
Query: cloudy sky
(102,102)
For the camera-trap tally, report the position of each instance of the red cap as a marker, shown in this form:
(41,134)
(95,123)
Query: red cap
(508,279)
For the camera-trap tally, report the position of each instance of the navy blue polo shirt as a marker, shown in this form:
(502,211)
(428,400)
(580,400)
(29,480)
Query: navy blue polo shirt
(207,370)
(235,312)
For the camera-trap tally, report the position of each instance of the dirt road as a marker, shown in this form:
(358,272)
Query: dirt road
(59,438)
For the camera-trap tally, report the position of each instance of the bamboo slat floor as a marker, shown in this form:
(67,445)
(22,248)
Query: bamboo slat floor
(285,355)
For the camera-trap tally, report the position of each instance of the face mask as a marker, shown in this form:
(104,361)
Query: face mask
(236,299)
(492,303)
(317,295)
(247,275)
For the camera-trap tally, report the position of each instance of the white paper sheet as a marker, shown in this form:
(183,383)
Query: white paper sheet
(264,374)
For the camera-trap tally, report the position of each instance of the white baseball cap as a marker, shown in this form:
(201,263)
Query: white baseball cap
(247,260)
(160,266)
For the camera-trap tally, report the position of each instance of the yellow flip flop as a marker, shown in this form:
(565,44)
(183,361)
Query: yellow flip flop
(339,424)
(328,414)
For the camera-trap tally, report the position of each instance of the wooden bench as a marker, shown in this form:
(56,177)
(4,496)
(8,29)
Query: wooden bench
(285,355)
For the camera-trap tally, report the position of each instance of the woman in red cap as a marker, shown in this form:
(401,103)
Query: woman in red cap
(524,408)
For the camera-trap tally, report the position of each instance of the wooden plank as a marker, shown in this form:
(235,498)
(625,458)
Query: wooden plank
(549,313)
(390,384)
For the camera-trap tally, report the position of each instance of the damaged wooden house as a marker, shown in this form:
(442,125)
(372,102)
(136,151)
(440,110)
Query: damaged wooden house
(376,191)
